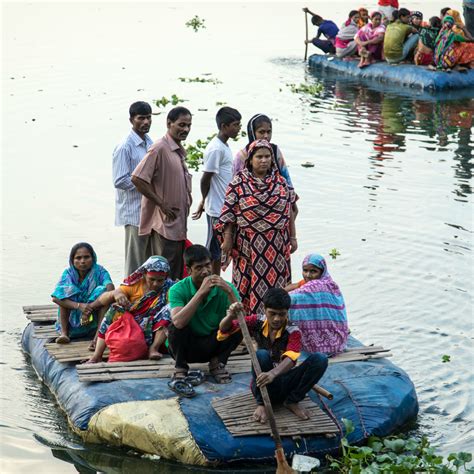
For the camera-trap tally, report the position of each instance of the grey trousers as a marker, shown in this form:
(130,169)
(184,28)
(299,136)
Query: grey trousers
(136,249)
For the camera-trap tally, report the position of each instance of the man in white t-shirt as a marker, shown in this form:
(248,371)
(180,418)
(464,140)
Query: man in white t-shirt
(217,174)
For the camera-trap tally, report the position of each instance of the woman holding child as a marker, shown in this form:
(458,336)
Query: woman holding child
(256,227)
(134,327)
(77,294)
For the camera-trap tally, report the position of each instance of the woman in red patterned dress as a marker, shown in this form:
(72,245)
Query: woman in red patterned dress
(257,227)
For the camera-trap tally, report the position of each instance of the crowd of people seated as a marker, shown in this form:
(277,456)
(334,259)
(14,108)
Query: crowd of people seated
(398,35)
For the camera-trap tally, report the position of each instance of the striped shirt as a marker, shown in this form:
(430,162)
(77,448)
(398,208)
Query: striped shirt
(126,157)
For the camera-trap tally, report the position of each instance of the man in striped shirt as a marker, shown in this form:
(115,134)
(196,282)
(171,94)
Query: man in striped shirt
(126,157)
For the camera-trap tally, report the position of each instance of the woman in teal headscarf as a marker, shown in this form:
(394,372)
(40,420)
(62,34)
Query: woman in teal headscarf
(452,49)
(77,292)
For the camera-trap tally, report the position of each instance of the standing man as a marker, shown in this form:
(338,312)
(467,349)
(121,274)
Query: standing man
(217,175)
(126,157)
(164,180)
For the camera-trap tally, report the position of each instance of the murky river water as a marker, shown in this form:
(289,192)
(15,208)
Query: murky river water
(390,189)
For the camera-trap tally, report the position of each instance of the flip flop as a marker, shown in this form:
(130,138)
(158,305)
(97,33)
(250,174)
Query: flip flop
(195,377)
(182,388)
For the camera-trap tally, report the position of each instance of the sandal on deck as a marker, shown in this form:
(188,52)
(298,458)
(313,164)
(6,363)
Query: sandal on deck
(220,373)
(195,377)
(182,388)
(63,339)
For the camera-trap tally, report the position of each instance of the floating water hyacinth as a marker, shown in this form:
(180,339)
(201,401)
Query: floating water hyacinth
(196,23)
(311,89)
(334,253)
(200,79)
(164,101)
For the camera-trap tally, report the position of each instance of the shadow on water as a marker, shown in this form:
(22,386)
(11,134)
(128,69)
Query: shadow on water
(388,116)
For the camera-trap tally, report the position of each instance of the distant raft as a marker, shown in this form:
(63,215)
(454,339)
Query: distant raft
(406,75)
(143,414)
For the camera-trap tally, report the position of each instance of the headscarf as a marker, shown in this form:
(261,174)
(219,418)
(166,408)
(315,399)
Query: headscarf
(155,264)
(318,308)
(86,291)
(444,42)
(417,14)
(458,23)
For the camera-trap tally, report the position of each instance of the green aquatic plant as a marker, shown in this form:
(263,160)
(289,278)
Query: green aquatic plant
(241,134)
(164,101)
(200,79)
(196,23)
(195,152)
(334,253)
(218,103)
(394,454)
(446,358)
(311,89)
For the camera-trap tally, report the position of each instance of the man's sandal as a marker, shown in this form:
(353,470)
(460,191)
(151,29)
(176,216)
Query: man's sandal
(195,377)
(220,373)
(182,388)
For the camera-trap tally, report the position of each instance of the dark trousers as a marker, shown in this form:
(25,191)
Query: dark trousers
(469,18)
(293,386)
(186,347)
(324,45)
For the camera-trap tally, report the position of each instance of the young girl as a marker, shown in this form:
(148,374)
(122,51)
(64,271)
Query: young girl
(318,308)
(76,294)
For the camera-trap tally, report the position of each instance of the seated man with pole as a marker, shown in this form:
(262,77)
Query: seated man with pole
(198,304)
(279,346)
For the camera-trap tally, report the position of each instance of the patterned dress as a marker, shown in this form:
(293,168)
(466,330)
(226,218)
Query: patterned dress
(260,210)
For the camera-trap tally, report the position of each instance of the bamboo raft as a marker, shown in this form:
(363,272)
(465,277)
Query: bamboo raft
(236,414)
(45,313)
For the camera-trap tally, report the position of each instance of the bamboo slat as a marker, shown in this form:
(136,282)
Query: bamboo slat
(236,414)
(38,307)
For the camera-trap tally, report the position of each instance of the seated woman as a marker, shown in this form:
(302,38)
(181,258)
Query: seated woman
(77,294)
(363,17)
(345,44)
(369,40)
(143,295)
(426,43)
(453,50)
(318,308)
(459,27)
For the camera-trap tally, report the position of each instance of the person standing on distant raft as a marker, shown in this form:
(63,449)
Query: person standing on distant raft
(387,7)
(327,28)
(400,38)
(318,308)
(278,349)
(77,292)
(143,295)
(217,174)
(165,182)
(126,158)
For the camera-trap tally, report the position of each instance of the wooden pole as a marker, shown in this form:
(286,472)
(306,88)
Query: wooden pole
(306,44)
(282,464)
(322,391)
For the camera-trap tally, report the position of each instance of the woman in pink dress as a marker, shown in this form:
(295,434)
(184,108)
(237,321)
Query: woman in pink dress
(369,40)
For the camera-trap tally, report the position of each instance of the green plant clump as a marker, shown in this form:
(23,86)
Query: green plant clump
(395,454)
(334,253)
(196,23)
(195,153)
(200,79)
(164,101)
(311,89)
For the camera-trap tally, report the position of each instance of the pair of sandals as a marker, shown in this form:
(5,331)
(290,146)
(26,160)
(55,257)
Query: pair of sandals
(183,382)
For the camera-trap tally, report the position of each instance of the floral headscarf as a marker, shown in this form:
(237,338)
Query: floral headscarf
(155,264)
(256,145)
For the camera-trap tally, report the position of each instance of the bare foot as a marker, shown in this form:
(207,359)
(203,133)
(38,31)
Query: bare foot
(63,339)
(297,410)
(260,414)
(154,355)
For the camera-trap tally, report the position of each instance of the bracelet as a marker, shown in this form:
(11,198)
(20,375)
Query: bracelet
(77,307)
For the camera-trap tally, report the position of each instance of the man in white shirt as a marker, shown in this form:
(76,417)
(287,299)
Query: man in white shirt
(126,156)
(217,174)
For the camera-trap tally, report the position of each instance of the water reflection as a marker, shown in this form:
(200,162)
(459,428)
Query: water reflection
(389,117)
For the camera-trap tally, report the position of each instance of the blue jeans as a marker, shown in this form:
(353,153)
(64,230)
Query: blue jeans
(292,386)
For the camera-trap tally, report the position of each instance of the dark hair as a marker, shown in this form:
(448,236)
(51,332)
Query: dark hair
(435,22)
(444,10)
(353,12)
(227,115)
(316,19)
(139,108)
(277,298)
(195,254)
(78,246)
(395,15)
(403,12)
(175,113)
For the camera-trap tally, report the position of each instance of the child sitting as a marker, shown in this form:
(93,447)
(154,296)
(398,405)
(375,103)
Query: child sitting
(318,308)
(279,346)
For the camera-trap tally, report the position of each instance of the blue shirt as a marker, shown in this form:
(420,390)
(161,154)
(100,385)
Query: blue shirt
(126,157)
(329,29)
